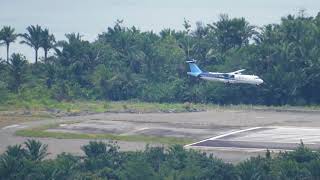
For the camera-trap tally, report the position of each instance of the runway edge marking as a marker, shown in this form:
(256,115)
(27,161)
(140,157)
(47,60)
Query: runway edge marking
(10,126)
(224,135)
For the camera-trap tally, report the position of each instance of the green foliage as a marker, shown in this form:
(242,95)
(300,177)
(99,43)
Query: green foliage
(35,150)
(125,63)
(17,67)
(4,91)
(33,39)
(104,161)
(41,132)
(99,155)
(137,169)
(7,36)
(94,149)
(231,33)
(24,163)
(47,42)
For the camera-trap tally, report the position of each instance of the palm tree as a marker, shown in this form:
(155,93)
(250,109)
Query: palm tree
(16,151)
(47,42)
(94,149)
(11,162)
(35,150)
(17,67)
(33,39)
(187,27)
(73,37)
(8,36)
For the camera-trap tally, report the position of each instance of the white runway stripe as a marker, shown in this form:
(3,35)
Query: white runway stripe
(224,135)
(11,126)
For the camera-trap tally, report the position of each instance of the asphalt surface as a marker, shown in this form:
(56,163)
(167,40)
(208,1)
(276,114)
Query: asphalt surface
(275,138)
(232,135)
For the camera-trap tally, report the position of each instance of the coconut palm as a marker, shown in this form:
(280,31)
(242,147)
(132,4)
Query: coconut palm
(33,39)
(47,42)
(8,36)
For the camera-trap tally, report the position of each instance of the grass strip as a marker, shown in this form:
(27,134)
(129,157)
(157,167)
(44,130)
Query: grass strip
(42,133)
(79,106)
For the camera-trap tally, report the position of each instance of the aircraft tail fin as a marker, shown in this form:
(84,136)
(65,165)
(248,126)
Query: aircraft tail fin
(195,70)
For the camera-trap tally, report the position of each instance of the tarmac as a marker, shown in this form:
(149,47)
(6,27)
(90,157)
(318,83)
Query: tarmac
(232,135)
(262,138)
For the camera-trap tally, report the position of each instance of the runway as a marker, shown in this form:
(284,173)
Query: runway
(230,134)
(262,138)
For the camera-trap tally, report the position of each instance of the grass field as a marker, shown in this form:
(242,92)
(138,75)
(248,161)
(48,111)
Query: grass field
(102,106)
(38,105)
(41,132)
(17,111)
(21,110)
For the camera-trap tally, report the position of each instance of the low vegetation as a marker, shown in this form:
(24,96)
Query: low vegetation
(41,132)
(105,161)
(37,102)
(29,108)
(46,104)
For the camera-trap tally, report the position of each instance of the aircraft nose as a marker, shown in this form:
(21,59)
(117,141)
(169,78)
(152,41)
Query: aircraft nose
(260,81)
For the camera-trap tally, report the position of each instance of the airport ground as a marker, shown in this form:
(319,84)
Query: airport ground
(232,134)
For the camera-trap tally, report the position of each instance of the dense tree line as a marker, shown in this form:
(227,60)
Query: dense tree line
(105,161)
(126,63)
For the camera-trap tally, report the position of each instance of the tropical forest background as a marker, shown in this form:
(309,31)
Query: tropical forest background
(125,63)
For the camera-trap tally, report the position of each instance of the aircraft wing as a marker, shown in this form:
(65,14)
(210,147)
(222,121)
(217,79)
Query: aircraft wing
(237,72)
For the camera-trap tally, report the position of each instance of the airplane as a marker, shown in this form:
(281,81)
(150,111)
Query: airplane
(231,77)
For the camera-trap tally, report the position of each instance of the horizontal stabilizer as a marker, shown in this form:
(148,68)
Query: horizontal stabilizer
(237,72)
(191,61)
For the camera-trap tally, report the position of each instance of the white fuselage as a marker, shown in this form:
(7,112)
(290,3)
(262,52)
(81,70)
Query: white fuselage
(231,78)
